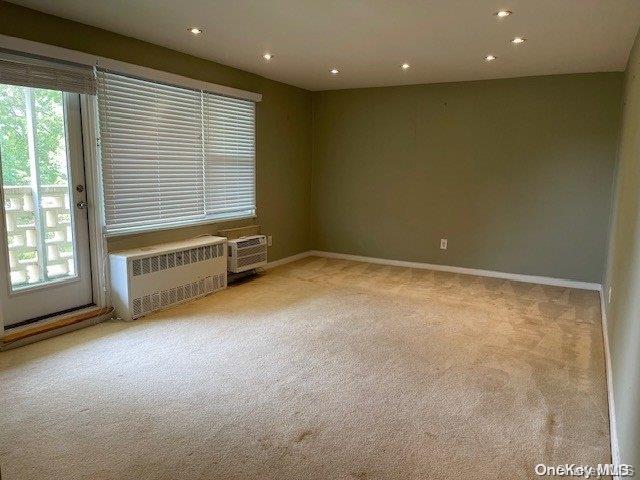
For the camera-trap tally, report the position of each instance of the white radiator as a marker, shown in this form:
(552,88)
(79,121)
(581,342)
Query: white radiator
(148,279)
(247,253)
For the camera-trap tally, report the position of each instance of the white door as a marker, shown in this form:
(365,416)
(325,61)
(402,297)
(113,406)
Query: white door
(45,266)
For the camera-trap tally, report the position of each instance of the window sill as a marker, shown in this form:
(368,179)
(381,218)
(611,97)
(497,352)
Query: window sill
(174,226)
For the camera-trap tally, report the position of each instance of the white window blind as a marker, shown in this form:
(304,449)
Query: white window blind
(173,156)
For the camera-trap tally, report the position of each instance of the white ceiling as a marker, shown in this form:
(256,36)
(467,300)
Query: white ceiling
(368,40)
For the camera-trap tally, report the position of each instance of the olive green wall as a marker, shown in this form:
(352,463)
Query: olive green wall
(516,173)
(283,125)
(623,271)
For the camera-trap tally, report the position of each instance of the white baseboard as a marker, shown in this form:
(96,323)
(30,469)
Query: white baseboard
(558,282)
(285,260)
(615,449)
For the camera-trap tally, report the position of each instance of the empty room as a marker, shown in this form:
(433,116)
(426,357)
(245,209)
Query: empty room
(319,240)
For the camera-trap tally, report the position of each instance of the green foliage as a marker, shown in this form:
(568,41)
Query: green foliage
(50,136)
(14,152)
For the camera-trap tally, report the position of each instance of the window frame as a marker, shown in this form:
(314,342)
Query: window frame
(174,225)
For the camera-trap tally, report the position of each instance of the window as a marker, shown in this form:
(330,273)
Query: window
(173,156)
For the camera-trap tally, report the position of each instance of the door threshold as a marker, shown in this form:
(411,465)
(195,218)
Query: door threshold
(54,325)
(47,318)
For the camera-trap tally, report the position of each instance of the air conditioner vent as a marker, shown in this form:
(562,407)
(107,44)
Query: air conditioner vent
(249,242)
(247,253)
(252,260)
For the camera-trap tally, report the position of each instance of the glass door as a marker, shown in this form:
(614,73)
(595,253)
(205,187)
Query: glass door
(45,230)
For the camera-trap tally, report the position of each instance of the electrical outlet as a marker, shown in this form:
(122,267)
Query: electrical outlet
(609,296)
(443,244)
(269,240)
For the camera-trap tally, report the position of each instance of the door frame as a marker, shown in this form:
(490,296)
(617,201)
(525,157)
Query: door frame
(93,179)
(97,241)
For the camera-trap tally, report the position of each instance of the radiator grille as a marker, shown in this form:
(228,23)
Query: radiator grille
(136,307)
(145,266)
(166,298)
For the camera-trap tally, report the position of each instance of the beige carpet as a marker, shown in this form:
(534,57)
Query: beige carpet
(322,369)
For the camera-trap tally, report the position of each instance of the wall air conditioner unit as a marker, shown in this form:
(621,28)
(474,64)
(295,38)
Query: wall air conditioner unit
(247,253)
(148,279)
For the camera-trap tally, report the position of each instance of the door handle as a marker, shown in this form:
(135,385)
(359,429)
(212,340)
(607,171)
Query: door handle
(82,204)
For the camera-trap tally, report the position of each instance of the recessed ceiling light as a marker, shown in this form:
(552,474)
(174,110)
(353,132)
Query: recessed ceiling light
(490,58)
(503,13)
(335,71)
(195,30)
(518,40)
(267,56)
(405,66)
